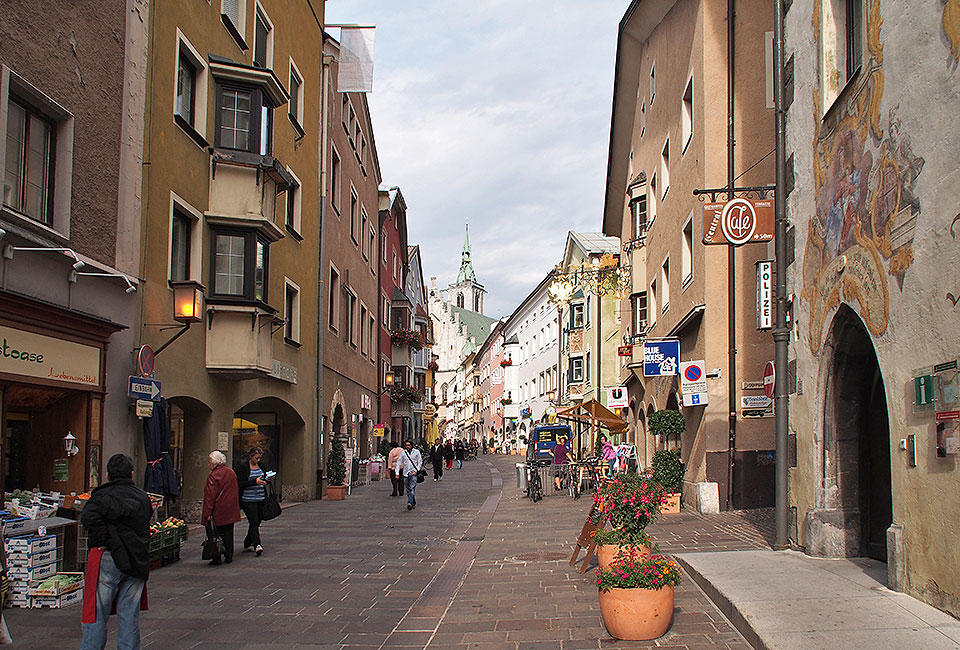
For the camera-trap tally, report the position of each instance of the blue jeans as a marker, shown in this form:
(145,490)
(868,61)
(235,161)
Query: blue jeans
(114,584)
(411,482)
(459,463)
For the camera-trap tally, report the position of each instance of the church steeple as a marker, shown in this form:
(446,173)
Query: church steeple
(467,273)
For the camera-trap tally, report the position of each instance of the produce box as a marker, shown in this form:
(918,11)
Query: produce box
(18,587)
(33,559)
(156,541)
(31,573)
(171,537)
(57,585)
(29,544)
(20,600)
(58,601)
(15,523)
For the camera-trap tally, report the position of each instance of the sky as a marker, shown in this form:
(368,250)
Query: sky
(496,112)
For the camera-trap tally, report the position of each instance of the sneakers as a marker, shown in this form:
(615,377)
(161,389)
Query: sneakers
(434,480)
(259,550)
(409,506)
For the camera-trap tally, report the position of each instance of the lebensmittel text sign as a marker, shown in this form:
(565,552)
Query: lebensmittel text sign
(44,357)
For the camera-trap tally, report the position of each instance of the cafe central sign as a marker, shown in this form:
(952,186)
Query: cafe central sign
(738,222)
(44,357)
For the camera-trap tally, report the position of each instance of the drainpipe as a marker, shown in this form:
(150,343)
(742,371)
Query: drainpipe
(731,260)
(781,335)
(325,60)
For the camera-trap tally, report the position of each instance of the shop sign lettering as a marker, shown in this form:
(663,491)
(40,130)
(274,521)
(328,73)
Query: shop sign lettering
(44,357)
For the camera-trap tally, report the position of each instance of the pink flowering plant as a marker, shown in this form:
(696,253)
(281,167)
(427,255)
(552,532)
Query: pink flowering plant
(630,571)
(629,503)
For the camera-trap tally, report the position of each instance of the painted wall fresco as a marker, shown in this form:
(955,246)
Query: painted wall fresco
(866,208)
(951,27)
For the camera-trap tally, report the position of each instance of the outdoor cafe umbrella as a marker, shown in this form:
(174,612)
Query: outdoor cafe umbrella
(159,477)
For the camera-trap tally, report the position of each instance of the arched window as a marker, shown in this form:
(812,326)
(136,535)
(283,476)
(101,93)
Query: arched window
(460,299)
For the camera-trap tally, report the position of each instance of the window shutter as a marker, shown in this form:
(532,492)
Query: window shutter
(586,370)
(569,371)
(586,313)
(231,9)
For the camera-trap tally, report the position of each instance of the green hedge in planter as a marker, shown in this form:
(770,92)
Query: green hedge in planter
(668,470)
(666,422)
(336,464)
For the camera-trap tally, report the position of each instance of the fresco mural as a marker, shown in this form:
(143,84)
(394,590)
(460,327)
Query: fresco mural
(866,208)
(951,27)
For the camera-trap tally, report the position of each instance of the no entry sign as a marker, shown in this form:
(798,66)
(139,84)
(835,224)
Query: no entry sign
(769,379)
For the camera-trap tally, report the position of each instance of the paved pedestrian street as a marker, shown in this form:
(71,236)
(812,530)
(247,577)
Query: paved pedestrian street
(474,565)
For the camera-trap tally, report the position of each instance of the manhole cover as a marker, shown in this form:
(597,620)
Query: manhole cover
(539,556)
(430,541)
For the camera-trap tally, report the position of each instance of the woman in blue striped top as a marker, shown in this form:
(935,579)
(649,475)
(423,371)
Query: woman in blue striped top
(252,481)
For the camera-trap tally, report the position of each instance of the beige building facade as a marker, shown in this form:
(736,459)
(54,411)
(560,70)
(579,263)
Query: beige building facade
(231,201)
(668,138)
(872,142)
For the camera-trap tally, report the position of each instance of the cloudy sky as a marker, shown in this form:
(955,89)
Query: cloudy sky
(496,111)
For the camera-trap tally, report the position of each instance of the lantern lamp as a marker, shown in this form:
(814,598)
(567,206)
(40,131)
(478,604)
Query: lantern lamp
(187,301)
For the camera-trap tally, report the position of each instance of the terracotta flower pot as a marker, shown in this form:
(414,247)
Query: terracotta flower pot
(672,505)
(336,492)
(637,614)
(607,552)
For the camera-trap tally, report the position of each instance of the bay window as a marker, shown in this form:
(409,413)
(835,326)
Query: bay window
(241,262)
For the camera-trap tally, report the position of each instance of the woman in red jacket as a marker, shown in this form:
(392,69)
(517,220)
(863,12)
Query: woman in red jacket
(221,502)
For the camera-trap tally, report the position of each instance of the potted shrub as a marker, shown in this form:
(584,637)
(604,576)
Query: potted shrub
(629,503)
(636,596)
(336,471)
(667,422)
(667,470)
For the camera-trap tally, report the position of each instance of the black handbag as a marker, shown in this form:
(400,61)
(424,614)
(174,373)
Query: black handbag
(213,546)
(271,507)
(421,473)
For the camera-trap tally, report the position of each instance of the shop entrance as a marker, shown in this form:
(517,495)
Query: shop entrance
(856,419)
(37,418)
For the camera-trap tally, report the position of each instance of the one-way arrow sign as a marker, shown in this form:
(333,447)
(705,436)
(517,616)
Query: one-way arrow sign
(143,388)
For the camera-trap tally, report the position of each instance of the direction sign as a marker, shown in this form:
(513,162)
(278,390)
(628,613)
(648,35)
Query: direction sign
(769,379)
(145,361)
(661,357)
(143,388)
(693,383)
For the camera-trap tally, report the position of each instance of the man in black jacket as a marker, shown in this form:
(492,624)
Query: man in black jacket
(117,521)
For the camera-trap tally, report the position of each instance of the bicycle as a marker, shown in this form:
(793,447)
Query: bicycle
(534,484)
(573,480)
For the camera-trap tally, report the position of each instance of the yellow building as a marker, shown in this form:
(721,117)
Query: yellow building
(231,202)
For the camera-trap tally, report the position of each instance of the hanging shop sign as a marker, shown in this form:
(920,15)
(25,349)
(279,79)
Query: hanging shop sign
(661,357)
(379,429)
(43,357)
(625,351)
(738,222)
(617,397)
(693,383)
(764,295)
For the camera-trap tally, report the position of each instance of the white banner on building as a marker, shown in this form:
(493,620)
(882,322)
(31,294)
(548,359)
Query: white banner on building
(355,72)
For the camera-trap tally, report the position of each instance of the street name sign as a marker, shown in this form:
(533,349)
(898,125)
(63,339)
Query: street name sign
(661,357)
(143,388)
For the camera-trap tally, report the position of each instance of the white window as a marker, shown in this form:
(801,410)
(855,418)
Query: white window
(262,39)
(643,118)
(841,50)
(665,284)
(354,215)
(639,307)
(686,115)
(576,369)
(363,329)
(190,91)
(186,255)
(653,83)
(293,204)
(373,249)
(296,96)
(335,175)
(652,201)
(234,16)
(37,160)
(363,234)
(333,302)
(291,311)
(576,315)
(686,252)
(385,307)
(665,169)
(653,302)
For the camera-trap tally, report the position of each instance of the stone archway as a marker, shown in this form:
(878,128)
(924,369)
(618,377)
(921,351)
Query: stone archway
(856,494)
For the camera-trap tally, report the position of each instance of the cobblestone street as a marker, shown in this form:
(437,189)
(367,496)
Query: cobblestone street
(475,565)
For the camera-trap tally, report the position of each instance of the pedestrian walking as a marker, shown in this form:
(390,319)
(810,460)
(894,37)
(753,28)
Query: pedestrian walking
(252,485)
(116,519)
(561,455)
(410,463)
(607,453)
(458,452)
(436,459)
(395,479)
(221,502)
(449,454)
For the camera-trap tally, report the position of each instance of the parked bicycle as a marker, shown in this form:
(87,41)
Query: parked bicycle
(534,482)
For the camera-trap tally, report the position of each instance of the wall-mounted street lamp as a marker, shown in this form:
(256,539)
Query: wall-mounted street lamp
(70,444)
(187,308)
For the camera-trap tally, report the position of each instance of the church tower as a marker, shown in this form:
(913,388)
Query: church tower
(467,293)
